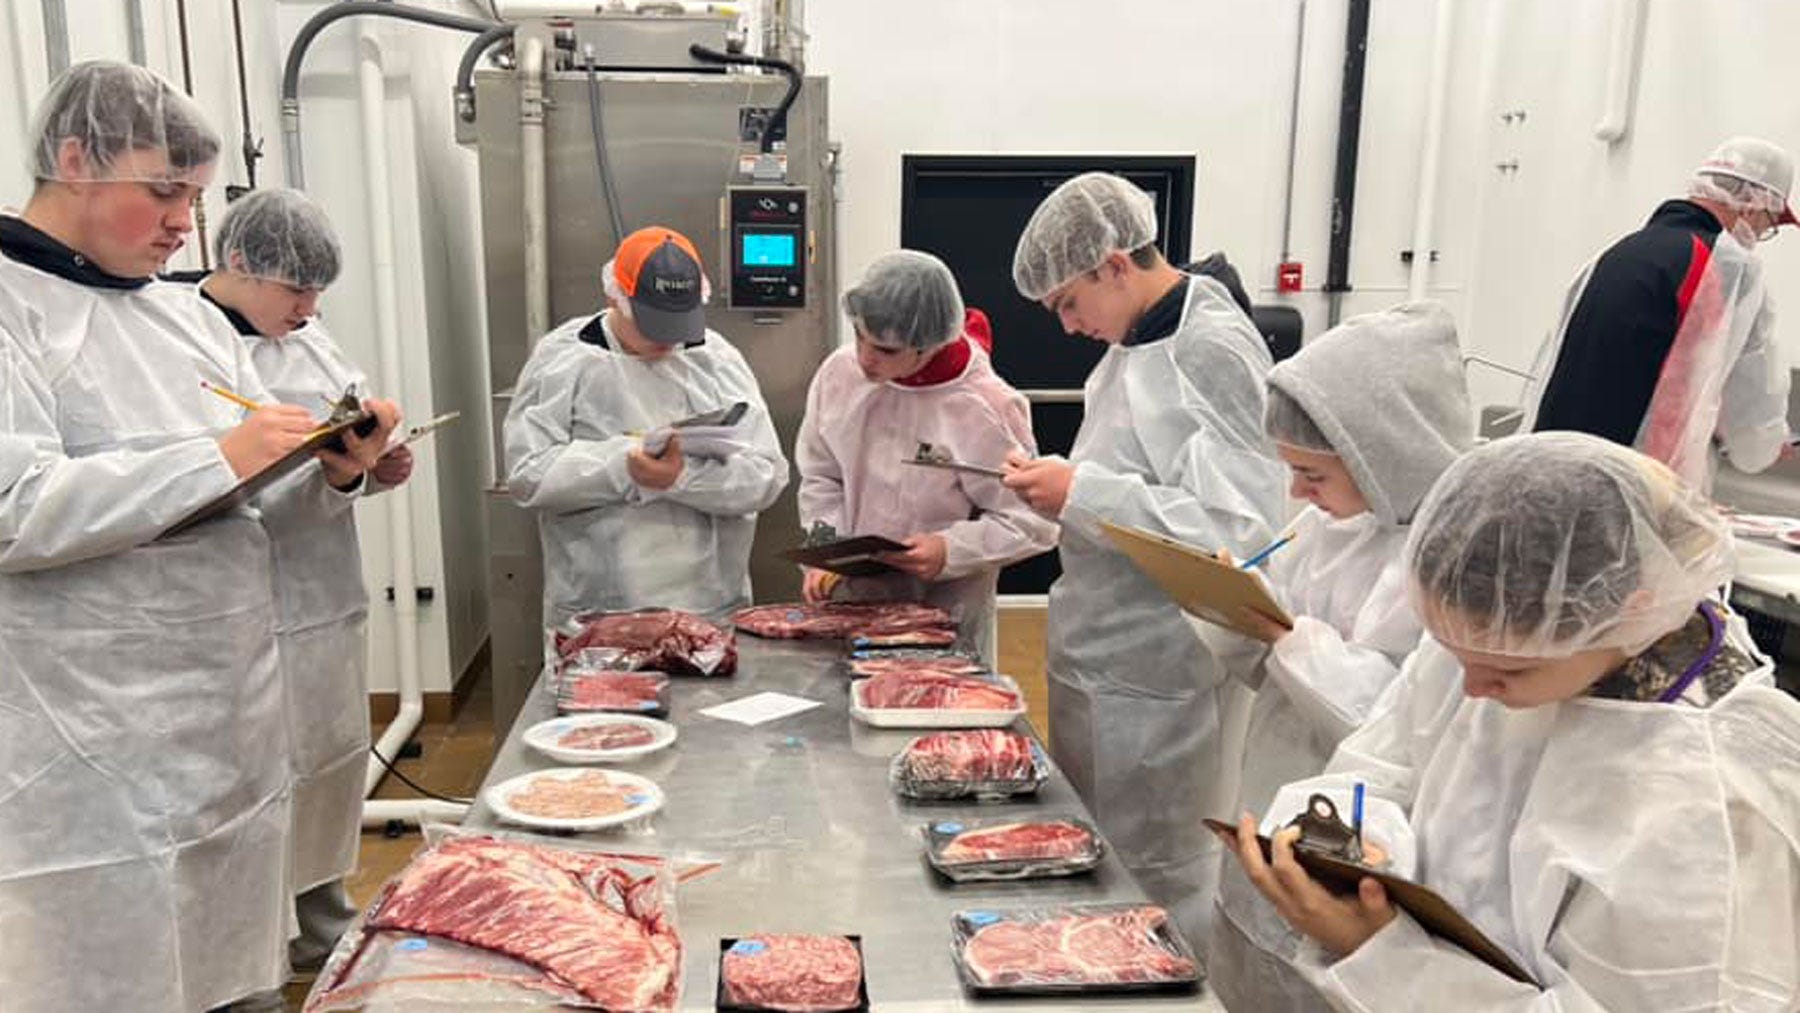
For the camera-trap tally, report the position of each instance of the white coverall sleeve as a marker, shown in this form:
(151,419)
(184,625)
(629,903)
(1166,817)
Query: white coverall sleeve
(56,509)
(1007,529)
(1333,682)
(1753,423)
(304,496)
(547,466)
(821,473)
(748,482)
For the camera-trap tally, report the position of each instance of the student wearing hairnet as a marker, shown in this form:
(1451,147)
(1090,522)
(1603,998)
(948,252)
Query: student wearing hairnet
(144,783)
(277,252)
(1595,766)
(914,377)
(1667,341)
(1367,416)
(1171,441)
(622,528)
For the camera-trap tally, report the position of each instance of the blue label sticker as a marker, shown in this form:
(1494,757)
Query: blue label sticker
(795,616)
(948,827)
(980,919)
(411,945)
(646,705)
(748,947)
(637,799)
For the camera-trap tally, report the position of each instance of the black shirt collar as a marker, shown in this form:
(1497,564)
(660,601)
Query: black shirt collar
(594,333)
(1163,316)
(238,320)
(34,247)
(1685,214)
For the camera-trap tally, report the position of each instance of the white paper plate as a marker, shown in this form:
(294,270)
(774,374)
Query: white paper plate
(647,797)
(935,717)
(543,735)
(1761,525)
(1790,537)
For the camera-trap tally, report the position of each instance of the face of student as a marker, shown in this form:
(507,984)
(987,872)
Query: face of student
(1522,683)
(130,228)
(275,308)
(1322,480)
(881,362)
(1098,304)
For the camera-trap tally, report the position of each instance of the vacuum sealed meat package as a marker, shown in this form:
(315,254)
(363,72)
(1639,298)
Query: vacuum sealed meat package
(1080,948)
(892,623)
(663,640)
(791,973)
(985,763)
(1027,848)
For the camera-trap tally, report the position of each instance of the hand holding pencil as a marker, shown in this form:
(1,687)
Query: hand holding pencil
(267,435)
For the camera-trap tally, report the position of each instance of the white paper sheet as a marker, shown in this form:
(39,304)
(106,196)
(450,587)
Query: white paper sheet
(759,708)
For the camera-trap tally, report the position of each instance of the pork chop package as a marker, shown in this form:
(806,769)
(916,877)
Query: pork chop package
(664,640)
(985,764)
(489,919)
(1025,848)
(1076,949)
(792,974)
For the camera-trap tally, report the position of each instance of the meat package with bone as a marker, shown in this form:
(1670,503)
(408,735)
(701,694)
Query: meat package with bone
(873,623)
(1099,947)
(598,929)
(981,763)
(663,640)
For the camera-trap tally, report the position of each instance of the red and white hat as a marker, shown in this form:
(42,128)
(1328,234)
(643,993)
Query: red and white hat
(1759,163)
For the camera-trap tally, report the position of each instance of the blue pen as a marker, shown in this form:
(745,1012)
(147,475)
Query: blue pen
(1356,815)
(1258,559)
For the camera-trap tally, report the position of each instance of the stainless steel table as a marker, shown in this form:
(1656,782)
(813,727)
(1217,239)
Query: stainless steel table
(813,840)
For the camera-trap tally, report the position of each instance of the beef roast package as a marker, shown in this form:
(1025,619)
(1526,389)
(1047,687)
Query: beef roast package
(1079,948)
(999,848)
(486,919)
(792,974)
(892,624)
(663,640)
(983,764)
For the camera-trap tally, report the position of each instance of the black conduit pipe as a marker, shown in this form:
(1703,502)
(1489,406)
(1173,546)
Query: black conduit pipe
(1343,185)
(465,69)
(699,52)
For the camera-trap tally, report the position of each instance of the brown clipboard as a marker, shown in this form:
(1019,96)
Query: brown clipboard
(1197,580)
(852,557)
(1438,916)
(246,490)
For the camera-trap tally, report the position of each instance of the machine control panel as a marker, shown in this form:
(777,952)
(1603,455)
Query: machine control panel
(766,246)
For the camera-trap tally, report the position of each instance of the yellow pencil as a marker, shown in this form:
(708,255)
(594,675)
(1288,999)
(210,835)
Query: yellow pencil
(237,399)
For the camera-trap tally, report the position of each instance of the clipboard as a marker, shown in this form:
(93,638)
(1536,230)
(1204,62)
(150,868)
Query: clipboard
(930,457)
(421,431)
(246,490)
(1438,916)
(851,557)
(1196,579)
(719,422)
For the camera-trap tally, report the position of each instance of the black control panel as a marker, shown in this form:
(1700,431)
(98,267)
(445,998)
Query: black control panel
(766,239)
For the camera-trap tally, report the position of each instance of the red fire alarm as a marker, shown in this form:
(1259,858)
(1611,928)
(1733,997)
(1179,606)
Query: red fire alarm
(1289,276)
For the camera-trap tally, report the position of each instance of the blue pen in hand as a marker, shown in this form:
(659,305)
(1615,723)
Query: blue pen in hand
(1269,550)
(1356,810)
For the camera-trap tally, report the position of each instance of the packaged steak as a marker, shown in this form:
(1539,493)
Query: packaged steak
(792,974)
(1075,949)
(663,640)
(983,764)
(1026,848)
(582,691)
(487,919)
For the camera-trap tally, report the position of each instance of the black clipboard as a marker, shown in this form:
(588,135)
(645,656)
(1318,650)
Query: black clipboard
(852,557)
(363,422)
(1437,915)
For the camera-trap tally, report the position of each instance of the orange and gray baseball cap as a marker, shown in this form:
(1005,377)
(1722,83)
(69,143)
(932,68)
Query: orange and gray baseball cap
(1759,163)
(658,269)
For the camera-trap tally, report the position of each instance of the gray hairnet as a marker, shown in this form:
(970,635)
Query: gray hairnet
(113,109)
(1287,422)
(1736,194)
(907,298)
(279,235)
(1077,227)
(1547,545)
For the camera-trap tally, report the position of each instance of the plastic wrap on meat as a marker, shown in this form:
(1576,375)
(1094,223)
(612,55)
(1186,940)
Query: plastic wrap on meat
(848,621)
(928,689)
(664,640)
(601,738)
(945,665)
(928,637)
(628,692)
(982,763)
(1106,947)
(599,926)
(1003,849)
(796,973)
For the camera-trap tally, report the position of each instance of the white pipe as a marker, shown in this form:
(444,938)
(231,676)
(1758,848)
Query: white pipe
(1621,71)
(379,812)
(372,84)
(1425,206)
(531,140)
(23,82)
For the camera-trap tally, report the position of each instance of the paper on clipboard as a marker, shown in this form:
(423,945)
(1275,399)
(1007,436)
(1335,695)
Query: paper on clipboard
(244,491)
(1198,581)
(420,431)
(852,557)
(708,434)
(1437,915)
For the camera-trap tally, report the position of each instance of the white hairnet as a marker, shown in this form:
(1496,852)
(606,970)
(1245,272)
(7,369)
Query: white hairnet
(907,298)
(1287,422)
(279,235)
(1077,227)
(1736,194)
(112,109)
(1547,545)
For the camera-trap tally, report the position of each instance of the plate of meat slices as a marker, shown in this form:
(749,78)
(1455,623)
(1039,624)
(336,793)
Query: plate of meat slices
(925,697)
(574,798)
(599,738)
